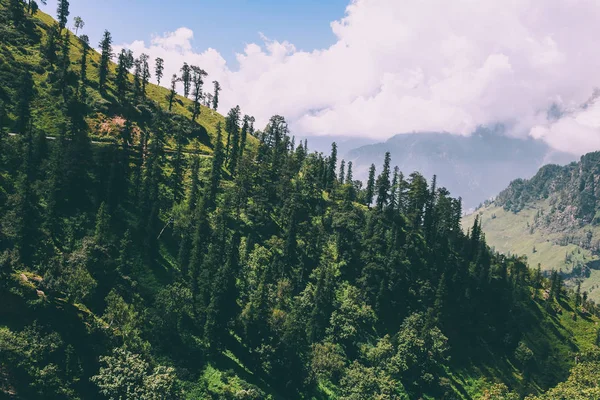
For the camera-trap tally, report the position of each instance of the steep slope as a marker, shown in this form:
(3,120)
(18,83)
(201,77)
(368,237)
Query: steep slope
(24,49)
(551,218)
(133,272)
(475,168)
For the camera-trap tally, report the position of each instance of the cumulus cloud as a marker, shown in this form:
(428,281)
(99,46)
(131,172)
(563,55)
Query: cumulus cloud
(430,65)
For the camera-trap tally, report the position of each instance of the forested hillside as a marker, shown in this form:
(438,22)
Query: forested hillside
(187,256)
(553,220)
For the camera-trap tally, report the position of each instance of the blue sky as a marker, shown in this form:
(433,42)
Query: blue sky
(226,25)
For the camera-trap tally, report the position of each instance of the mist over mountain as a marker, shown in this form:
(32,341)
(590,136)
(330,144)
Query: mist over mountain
(475,167)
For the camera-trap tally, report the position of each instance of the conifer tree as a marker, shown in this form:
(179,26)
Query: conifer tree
(383,183)
(235,139)
(173,91)
(349,176)
(370,191)
(215,103)
(232,127)
(178,169)
(85,47)
(186,78)
(124,64)
(244,133)
(159,68)
(49,47)
(145,74)
(62,13)
(342,172)
(105,57)
(26,93)
(215,174)
(197,82)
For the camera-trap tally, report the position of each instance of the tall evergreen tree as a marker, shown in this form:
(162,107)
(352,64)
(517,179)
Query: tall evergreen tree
(85,47)
(370,191)
(215,174)
(62,13)
(232,127)
(215,103)
(244,134)
(331,167)
(26,93)
(173,91)
(383,183)
(159,67)
(186,78)
(145,74)
(349,175)
(197,81)
(105,57)
(122,81)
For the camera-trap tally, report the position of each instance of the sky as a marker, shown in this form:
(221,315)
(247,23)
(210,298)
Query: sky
(375,68)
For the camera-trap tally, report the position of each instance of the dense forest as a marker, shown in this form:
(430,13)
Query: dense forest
(151,248)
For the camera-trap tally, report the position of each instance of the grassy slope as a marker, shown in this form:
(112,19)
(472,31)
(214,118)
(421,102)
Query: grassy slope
(103,119)
(509,233)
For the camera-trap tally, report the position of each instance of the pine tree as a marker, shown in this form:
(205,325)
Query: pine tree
(342,172)
(186,78)
(383,183)
(173,91)
(145,72)
(215,175)
(244,134)
(26,93)
(122,81)
(197,81)
(159,68)
(215,103)
(105,57)
(331,175)
(370,191)
(62,13)
(178,169)
(578,295)
(349,176)
(85,47)
(49,49)
(235,140)
(232,127)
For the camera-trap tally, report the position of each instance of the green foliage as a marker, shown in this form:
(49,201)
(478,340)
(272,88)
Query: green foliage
(239,266)
(125,375)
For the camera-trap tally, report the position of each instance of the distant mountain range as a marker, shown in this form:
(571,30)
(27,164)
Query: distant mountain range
(475,167)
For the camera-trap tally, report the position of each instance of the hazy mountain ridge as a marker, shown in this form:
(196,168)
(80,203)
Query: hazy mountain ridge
(474,167)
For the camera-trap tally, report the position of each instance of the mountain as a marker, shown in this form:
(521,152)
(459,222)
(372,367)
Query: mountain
(551,218)
(322,144)
(148,255)
(474,167)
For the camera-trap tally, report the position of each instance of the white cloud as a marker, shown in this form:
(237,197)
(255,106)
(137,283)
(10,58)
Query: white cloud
(407,65)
